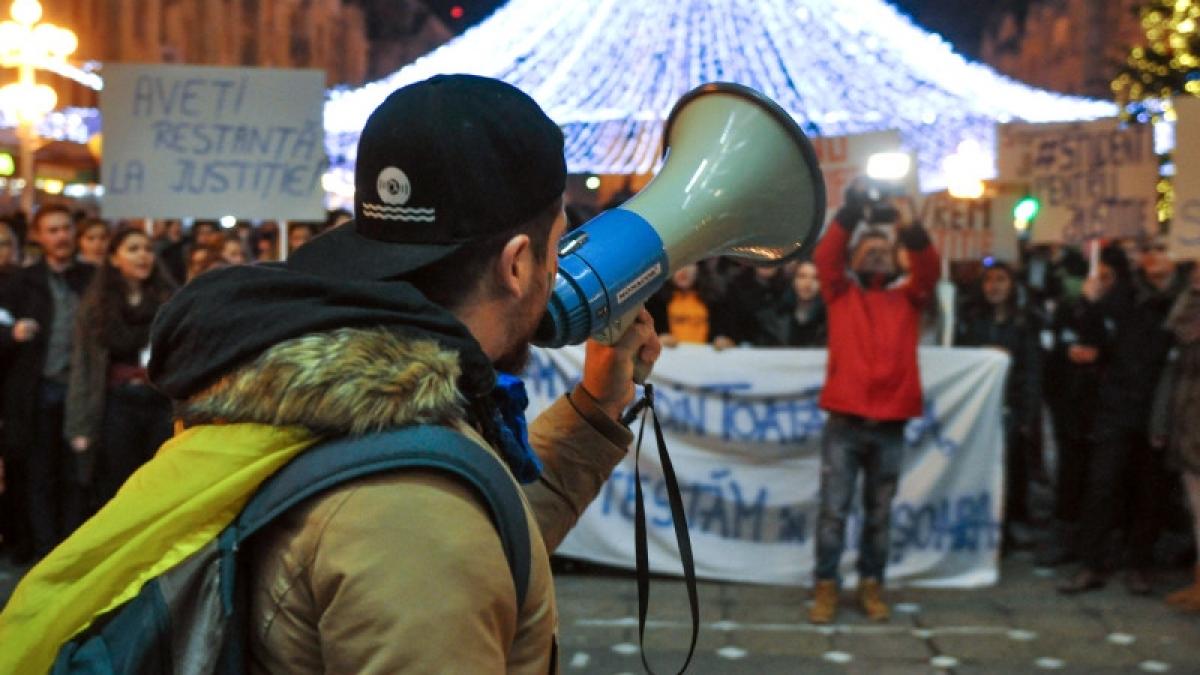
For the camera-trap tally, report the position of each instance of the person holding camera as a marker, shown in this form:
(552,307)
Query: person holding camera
(872,385)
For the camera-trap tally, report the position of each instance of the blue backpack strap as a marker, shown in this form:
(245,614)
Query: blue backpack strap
(330,464)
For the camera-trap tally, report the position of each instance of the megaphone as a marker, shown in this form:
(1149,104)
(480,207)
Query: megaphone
(739,179)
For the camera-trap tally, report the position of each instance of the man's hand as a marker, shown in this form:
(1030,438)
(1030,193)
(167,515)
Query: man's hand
(80,443)
(722,342)
(24,330)
(608,370)
(906,211)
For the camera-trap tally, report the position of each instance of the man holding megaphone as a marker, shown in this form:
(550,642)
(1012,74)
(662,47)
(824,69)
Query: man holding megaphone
(872,385)
(405,318)
(402,319)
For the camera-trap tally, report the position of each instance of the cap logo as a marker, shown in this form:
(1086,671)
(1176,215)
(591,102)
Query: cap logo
(393,186)
(394,191)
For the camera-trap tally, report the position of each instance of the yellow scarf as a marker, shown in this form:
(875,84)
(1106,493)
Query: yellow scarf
(169,509)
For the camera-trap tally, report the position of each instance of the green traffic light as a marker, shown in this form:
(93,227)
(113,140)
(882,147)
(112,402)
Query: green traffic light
(1026,209)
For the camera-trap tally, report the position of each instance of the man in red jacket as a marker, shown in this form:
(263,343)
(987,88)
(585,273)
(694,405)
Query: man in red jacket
(872,385)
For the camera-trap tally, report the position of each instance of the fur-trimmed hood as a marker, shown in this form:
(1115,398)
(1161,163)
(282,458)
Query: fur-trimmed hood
(337,382)
(270,319)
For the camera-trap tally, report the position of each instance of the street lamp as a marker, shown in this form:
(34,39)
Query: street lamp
(28,45)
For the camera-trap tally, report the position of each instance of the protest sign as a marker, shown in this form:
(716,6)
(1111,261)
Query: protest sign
(188,141)
(1093,179)
(743,429)
(971,229)
(844,158)
(1185,225)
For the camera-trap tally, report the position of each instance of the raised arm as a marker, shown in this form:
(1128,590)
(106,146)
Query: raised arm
(924,261)
(832,257)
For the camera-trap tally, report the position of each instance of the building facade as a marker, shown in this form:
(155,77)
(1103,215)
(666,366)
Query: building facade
(1071,46)
(329,35)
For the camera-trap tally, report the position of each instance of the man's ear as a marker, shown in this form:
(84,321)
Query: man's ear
(514,265)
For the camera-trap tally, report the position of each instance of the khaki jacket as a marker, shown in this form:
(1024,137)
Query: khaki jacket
(404,572)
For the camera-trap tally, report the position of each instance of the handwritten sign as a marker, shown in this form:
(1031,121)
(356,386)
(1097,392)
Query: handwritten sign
(971,229)
(1094,179)
(187,141)
(1185,226)
(844,158)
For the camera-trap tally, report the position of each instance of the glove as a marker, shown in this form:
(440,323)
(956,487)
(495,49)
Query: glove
(849,217)
(854,203)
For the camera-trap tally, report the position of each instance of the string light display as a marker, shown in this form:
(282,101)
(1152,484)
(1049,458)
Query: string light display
(608,71)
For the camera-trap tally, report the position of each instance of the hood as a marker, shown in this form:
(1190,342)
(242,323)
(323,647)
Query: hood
(226,319)
(344,381)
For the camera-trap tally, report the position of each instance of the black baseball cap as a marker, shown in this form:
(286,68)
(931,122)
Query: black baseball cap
(440,163)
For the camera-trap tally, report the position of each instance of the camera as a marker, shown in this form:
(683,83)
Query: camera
(874,196)
(879,208)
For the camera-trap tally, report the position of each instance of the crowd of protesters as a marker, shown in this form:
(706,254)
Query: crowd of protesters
(77,413)
(1110,349)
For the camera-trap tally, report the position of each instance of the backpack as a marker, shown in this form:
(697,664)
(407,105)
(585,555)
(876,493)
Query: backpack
(192,618)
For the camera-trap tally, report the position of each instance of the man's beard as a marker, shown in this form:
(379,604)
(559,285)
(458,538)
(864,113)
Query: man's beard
(514,360)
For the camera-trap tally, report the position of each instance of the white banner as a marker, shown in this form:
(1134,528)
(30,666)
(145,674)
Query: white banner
(203,142)
(743,430)
(1093,179)
(1185,226)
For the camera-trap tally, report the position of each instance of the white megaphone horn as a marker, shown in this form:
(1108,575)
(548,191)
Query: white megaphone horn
(740,179)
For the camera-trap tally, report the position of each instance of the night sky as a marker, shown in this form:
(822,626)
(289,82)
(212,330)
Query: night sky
(959,21)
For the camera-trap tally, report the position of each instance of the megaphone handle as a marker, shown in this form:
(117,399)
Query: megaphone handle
(614,331)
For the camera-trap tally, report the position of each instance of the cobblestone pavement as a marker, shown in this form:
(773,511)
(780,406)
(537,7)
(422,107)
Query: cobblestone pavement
(1020,626)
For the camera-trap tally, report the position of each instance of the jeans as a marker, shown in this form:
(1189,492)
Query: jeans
(56,498)
(850,445)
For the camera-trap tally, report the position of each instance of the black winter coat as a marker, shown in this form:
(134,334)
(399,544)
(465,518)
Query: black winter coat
(1018,336)
(29,298)
(1135,349)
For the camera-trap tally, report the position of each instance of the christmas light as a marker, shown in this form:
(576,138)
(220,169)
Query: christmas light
(609,71)
(1166,66)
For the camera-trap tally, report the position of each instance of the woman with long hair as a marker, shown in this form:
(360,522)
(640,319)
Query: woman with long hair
(686,310)
(112,412)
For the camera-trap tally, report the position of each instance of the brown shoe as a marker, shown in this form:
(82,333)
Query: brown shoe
(1084,580)
(870,599)
(1187,599)
(825,602)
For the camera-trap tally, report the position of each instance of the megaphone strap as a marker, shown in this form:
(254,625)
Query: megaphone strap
(678,518)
